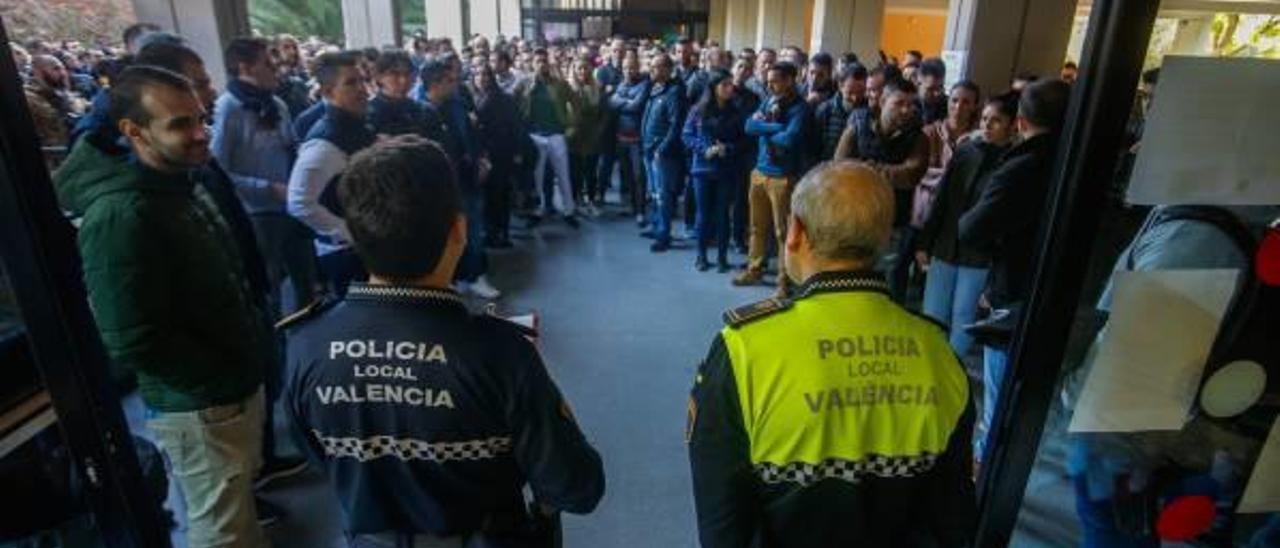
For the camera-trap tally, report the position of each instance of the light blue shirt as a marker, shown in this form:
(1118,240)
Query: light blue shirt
(254,156)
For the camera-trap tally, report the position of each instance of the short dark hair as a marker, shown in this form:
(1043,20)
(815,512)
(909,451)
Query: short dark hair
(434,69)
(900,85)
(849,58)
(915,53)
(167,55)
(934,67)
(1044,103)
(125,99)
(853,70)
(822,58)
(400,200)
(244,51)
(393,60)
(328,65)
(786,68)
(370,54)
(1069,65)
(132,32)
(770,51)
(968,85)
(1006,103)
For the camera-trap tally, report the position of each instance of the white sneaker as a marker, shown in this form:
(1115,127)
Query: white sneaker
(481,288)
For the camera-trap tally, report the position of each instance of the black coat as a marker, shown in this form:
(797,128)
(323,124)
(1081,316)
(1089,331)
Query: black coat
(1006,218)
(502,129)
(963,181)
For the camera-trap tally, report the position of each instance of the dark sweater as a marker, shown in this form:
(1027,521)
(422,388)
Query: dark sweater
(1006,217)
(962,182)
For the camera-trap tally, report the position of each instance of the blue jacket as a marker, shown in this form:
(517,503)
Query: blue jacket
(781,131)
(703,130)
(427,419)
(628,104)
(302,124)
(663,117)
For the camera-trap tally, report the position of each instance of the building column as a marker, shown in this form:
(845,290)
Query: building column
(484,17)
(841,26)
(509,18)
(207,25)
(1000,38)
(716,20)
(1194,36)
(740,24)
(371,23)
(447,19)
(783,23)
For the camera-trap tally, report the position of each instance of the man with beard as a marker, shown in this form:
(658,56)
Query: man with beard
(54,106)
(933,95)
(149,239)
(893,144)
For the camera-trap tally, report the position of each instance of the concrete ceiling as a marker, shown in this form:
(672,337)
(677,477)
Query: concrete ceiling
(1228,6)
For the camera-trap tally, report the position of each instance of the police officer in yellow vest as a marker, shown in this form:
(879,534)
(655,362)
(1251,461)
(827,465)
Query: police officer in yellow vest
(834,418)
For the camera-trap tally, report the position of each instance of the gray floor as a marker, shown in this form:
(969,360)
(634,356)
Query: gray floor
(622,332)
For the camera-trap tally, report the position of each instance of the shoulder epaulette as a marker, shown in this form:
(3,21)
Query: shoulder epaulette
(305,313)
(932,320)
(743,315)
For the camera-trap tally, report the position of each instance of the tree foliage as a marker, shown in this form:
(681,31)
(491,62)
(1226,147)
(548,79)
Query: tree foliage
(319,18)
(89,21)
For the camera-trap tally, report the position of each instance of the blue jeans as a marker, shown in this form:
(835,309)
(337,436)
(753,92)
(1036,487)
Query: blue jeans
(712,192)
(995,361)
(664,183)
(951,297)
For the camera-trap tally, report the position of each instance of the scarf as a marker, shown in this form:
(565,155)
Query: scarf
(258,100)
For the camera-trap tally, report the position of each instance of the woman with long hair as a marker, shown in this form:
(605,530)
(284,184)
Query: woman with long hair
(958,273)
(712,134)
(586,125)
(503,135)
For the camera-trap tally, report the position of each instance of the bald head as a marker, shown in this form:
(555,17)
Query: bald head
(845,211)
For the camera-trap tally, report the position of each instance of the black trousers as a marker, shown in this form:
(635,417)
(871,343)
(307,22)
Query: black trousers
(497,199)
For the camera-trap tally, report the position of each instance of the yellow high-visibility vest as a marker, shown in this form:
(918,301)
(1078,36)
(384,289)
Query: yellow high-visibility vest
(844,384)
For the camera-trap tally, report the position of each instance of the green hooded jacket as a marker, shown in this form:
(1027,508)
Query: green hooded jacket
(165,281)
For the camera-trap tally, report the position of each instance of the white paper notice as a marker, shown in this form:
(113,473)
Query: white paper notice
(1153,353)
(1219,151)
(1262,495)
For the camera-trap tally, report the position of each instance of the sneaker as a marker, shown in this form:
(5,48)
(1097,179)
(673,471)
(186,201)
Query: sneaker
(279,468)
(640,220)
(701,265)
(268,512)
(483,289)
(750,277)
(572,221)
(722,266)
(660,246)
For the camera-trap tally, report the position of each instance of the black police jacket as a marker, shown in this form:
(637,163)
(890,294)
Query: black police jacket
(427,419)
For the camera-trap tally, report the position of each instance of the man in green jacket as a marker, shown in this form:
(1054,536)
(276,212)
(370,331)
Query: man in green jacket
(171,300)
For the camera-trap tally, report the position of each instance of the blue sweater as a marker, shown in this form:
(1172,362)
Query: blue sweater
(702,131)
(781,134)
(628,104)
(663,118)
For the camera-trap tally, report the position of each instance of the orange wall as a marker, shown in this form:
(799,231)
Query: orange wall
(905,31)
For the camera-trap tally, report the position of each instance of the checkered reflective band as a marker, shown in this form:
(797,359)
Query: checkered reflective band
(804,473)
(844,284)
(400,292)
(366,449)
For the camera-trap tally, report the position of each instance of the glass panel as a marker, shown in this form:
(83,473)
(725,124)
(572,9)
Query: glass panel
(1168,388)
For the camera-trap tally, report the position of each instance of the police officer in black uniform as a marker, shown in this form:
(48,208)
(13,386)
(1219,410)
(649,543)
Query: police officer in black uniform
(429,421)
(835,418)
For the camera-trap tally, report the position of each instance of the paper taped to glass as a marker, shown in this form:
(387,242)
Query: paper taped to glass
(1152,355)
(1208,138)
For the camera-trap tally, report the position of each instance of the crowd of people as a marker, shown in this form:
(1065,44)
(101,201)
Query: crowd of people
(229,202)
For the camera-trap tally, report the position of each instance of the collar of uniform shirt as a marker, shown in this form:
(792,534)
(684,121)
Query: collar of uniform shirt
(404,293)
(843,280)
